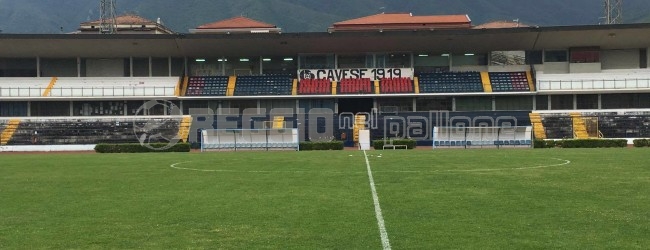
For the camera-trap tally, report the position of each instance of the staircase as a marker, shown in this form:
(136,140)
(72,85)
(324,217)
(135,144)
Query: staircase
(184,128)
(359,124)
(538,126)
(579,127)
(9,131)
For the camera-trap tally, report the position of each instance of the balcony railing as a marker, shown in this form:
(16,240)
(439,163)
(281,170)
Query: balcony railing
(591,84)
(109,91)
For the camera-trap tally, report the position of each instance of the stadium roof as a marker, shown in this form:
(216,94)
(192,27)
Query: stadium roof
(619,36)
(402,21)
(501,25)
(238,24)
(124,19)
(128,22)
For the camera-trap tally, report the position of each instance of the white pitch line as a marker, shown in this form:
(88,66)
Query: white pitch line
(380,219)
(175,166)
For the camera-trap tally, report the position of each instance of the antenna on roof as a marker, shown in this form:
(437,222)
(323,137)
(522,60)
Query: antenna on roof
(381,9)
(107,22)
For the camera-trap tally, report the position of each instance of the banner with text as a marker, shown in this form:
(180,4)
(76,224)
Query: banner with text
(338,74)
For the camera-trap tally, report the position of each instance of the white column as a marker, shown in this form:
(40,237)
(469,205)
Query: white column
(38,66)
(575,102)
(29,108)
(415,104)
(78,66)
(549,102)
(71,109)
(534,102)
(494,103)
(169,66)
(131,66)
(600,101)
(453,104)
(150,67)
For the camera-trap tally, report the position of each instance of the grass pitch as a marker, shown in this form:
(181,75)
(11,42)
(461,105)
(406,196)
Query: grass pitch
(488,199)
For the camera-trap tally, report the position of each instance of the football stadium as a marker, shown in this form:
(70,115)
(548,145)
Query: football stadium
(387,131)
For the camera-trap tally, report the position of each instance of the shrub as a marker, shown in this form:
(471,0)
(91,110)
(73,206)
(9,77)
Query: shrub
(639,143)
(330,145)
(137,148)
(410,144)
(594,143)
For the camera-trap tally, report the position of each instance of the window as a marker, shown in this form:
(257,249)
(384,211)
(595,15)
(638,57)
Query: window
(555,56)
(534,57)
(585,55)
(559,102)
(508,58)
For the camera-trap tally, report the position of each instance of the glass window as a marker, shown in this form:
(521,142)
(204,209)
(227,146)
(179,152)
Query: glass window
(351,61)
(587,101)
(17,67)
(284,65)
(555,56)
(514,102)
(140,66)
(434,103)
(585,55)
(534,57)
(474,103)
(469,59)
(317,61)
(159,67)
(508,58)
(560,102)
(541,102)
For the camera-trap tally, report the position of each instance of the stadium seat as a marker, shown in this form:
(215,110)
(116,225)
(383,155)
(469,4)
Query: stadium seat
(509,81)
(263,85)
(395,85)
(314,87)
(450,82)
(207,86)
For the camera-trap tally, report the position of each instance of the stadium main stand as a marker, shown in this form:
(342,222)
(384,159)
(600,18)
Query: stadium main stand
(601,89)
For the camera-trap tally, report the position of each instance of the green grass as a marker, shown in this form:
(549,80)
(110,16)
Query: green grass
(312,200)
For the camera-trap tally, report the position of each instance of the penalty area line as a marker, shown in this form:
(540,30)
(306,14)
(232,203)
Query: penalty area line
(380,218)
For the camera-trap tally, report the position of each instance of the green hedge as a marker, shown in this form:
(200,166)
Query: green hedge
(639,143)
(410,144)
(137,148)
(581,143)
(329,145)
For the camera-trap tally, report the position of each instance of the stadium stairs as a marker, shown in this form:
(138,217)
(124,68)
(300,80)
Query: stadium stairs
(9,131)
(538,126)
(359,124)
(579,127)
(184,128)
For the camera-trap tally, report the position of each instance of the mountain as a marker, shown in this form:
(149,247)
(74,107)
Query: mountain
(56,16)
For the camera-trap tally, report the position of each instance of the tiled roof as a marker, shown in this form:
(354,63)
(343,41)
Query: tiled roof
(404,18)
(125,20)
(500,25)
(236,23)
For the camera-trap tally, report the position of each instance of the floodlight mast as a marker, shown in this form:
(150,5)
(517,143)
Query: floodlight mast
(613,11)
(107,19)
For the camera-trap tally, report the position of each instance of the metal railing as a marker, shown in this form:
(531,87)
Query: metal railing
(593,84)
(109,91)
